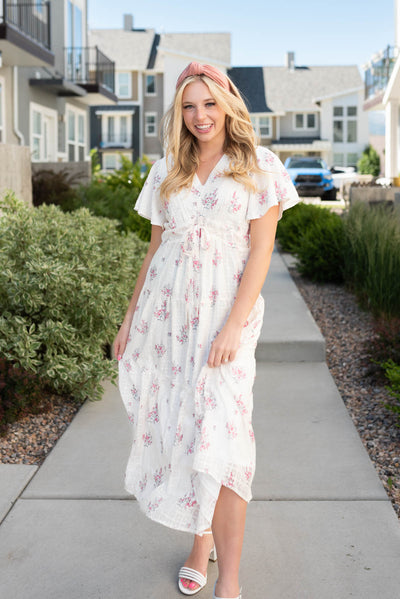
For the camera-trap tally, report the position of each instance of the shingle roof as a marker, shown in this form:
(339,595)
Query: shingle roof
(295,89)
(214,47)
(129,49)
(250,81)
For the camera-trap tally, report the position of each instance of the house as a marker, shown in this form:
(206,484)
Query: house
(382,92)
(147,66)
(306,110)
(49,76)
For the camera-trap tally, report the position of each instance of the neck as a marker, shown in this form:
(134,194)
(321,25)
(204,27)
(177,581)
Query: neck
(209,152)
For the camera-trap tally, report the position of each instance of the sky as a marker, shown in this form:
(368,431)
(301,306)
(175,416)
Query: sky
(340,32)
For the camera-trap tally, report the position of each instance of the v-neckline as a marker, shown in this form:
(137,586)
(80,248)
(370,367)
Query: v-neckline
(211,173)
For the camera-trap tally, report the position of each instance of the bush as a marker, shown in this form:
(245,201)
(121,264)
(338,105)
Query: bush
(49,187)
(293,225)
(369,163)
(321,252)
(373,257)
(65,283)
(114,196)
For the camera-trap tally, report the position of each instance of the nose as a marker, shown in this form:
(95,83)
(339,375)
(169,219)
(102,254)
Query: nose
(200,113)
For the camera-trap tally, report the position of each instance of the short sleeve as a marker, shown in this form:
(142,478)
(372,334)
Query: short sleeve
(274,186)
(149,203)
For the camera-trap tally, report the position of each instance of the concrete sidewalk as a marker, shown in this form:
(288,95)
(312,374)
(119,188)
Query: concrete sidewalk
(320,526)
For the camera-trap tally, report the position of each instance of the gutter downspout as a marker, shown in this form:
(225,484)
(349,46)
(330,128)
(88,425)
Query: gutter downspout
(15,100)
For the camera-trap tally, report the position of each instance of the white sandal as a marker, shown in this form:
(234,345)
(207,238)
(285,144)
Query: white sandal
(215,597)
(194,575)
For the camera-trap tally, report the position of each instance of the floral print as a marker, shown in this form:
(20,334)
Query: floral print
(192,429)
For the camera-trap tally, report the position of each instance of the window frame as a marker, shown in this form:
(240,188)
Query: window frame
(146,124)
(345,118)
(127,96)
(304,116)
(50,116)
(255,119)
(3,118)
(76,142)
(147,93)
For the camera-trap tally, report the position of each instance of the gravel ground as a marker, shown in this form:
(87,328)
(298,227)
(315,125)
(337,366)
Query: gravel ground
(29,440)
(347,331)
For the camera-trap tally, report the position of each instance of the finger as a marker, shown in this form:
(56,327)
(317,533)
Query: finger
(211,356)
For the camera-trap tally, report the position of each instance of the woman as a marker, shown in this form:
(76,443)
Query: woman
(188,339)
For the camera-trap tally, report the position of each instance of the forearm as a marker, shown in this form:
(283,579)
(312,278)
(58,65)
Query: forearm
(251,284)
(138,287)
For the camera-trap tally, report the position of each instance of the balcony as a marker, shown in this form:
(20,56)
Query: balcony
(25,33)
(377,74)
(93,71)
(115,140)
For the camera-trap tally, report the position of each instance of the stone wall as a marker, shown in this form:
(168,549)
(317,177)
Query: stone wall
(374,194)
(15,171)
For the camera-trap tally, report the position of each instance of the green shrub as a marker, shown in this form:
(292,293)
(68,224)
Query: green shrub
(372,264)
(114,196)
(392,371)
(49,187)
(294,224)
(65,283)
(369,163)
(321,252)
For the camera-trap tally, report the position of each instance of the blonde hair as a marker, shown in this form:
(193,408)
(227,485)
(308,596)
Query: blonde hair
(182,152)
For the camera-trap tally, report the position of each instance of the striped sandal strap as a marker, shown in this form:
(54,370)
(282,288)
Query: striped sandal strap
(193,575)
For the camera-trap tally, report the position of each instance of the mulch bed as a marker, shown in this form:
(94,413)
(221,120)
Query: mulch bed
(348,331)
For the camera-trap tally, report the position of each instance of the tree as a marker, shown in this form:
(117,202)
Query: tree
(369,163)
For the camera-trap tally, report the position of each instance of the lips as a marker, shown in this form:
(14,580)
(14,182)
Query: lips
(204,128)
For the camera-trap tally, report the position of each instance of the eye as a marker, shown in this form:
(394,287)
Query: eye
(187,106)
(210,104)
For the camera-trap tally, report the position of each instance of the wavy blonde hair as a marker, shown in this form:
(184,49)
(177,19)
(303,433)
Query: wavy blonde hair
(182,152)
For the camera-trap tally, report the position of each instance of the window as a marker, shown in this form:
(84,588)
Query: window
(338,159)
(306,121)
(345,124)
(124,85)
(124,129)
(150,85)
(116,128)
(111,162)
(2,120)
(262,125)
(76,135)
(37,135)
(337,130)
(43,133)
(150,124)
(352,159)
(111,129)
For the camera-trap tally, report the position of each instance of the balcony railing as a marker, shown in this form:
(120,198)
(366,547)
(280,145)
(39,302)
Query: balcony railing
(123,140)
(379,70)
(30,18)
(89,66)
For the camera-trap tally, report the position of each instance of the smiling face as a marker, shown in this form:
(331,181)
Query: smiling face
(202,115)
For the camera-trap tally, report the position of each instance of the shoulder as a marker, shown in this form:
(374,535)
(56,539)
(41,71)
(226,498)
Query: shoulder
(267,160)
(157,173)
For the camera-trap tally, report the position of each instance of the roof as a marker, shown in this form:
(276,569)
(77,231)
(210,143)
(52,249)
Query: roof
(295,89)
(250,82)
(212,47)
(130,50)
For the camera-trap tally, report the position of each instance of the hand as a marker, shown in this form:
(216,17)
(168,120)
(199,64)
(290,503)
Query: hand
(225,345)
(121,340)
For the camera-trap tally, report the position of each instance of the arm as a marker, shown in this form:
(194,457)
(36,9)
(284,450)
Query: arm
(123,333)
(262,238)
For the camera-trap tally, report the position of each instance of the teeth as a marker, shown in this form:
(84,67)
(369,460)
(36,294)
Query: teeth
(203,126)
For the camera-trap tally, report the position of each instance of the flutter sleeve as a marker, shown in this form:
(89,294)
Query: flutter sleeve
(149,204)
(274,186)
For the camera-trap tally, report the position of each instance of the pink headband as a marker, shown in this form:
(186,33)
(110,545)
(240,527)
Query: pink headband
(195,68)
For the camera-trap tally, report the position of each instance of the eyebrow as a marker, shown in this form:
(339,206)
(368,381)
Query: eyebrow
(206,100)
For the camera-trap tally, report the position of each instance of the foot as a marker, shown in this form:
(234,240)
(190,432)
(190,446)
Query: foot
(226,589)
(198,559)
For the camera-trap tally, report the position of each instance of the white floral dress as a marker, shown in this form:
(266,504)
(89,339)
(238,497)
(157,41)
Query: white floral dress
(192,429)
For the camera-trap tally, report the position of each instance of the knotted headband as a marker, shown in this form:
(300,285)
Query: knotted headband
(195,68)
